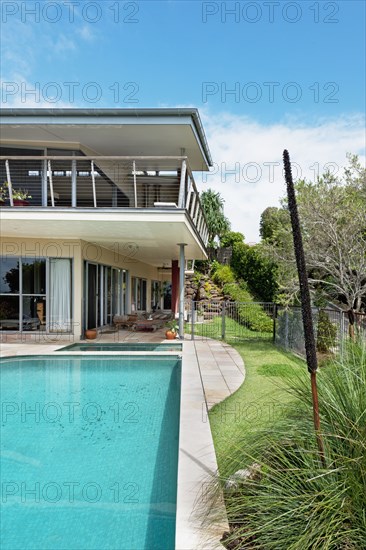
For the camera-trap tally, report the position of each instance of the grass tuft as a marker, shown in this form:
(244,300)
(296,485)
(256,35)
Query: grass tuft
(296,504)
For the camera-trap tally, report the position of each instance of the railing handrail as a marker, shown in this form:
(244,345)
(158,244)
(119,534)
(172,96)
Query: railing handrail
(178,163)
(194,186)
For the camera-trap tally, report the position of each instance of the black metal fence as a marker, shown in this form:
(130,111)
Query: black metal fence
(332,328)
(242,321)
(230,321)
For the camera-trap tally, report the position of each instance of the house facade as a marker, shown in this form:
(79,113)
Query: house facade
(100,214)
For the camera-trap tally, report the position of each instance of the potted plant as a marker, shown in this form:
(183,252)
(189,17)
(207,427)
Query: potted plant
(172,330)
(20,197)
(91,333)
(3,193)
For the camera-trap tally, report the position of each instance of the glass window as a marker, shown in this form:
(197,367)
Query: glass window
(30,309)
(9,275)
(143,294)
(34,312)
(133,294)
(155,295)
(34,276)
(116,302)
(167,295)
(124,292)
(138,294)
(108,295)
(9,312)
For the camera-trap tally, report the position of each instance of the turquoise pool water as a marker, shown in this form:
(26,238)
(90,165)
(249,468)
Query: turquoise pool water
(123,346)
(89,450)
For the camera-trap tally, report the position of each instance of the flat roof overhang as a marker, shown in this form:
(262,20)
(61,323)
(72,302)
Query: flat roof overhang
(149,236)
(127,132)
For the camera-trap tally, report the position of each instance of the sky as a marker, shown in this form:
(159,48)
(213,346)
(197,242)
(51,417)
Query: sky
(265,76)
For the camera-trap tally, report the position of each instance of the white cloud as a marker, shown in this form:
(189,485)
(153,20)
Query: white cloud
(86,33)
(18,92)
(254,152)
(62,44)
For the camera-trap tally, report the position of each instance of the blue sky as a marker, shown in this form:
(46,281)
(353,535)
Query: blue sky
(295,71)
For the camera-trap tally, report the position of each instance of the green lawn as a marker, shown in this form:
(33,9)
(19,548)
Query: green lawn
(258,402)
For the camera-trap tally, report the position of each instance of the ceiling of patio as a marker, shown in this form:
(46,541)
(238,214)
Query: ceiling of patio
(150,237)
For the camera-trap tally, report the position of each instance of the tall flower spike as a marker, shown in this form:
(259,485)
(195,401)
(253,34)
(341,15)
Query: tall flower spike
(301,269)
(307,319)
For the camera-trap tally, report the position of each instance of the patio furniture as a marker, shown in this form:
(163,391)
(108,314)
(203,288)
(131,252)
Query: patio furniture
(124,321)
(155,321)
(29,323)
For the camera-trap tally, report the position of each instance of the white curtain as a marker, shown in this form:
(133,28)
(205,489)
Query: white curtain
(60,295)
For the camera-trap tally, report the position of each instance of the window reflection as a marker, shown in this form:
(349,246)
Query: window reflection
(34,276)
(9,276)
(34,312)
(9,312)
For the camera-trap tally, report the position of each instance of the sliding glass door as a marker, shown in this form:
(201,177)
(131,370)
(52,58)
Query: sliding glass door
(105,294)
(91,301)
(138,294)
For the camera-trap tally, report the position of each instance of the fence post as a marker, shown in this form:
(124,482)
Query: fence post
(223,320)
(341,343)
(286,328)
(274,322)
(192,320)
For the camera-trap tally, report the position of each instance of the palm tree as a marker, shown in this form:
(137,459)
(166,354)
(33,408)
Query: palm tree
(213,207)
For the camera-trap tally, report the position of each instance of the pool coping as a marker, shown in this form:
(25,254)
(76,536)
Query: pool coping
(211,371)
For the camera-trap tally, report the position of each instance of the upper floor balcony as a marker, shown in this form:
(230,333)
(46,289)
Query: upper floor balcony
(110,183)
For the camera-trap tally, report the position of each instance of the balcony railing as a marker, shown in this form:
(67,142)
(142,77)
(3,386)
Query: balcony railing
(104,182)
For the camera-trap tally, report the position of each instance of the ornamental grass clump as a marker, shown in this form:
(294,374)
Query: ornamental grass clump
(296,503)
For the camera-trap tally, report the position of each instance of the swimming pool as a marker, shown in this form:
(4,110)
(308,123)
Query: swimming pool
(89,452)
(123,346)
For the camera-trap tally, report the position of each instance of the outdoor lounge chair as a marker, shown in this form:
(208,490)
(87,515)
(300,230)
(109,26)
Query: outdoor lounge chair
(155,321)
(124,321)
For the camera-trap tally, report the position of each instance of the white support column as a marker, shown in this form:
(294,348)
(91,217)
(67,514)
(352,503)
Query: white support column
(182,267)
(93,182)
(51,183)
(181,199)
(73,183)
(44,183)
(10,187)
(196,212)
(134,183)
(188,197)
(193,205)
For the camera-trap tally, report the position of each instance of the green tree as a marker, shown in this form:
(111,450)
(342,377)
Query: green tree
(332,215)
(272,220)
(231,237)
(213,207)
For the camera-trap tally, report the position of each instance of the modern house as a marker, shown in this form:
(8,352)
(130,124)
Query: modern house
(109,214)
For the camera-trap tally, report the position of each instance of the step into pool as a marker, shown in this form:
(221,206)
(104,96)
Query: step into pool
(89,451)
(123,346)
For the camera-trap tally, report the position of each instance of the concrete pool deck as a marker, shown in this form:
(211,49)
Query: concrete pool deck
(211,371)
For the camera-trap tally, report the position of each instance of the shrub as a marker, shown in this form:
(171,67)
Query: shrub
(327,333)
(222,275)
(207,288)
(250,264)
(248,314)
